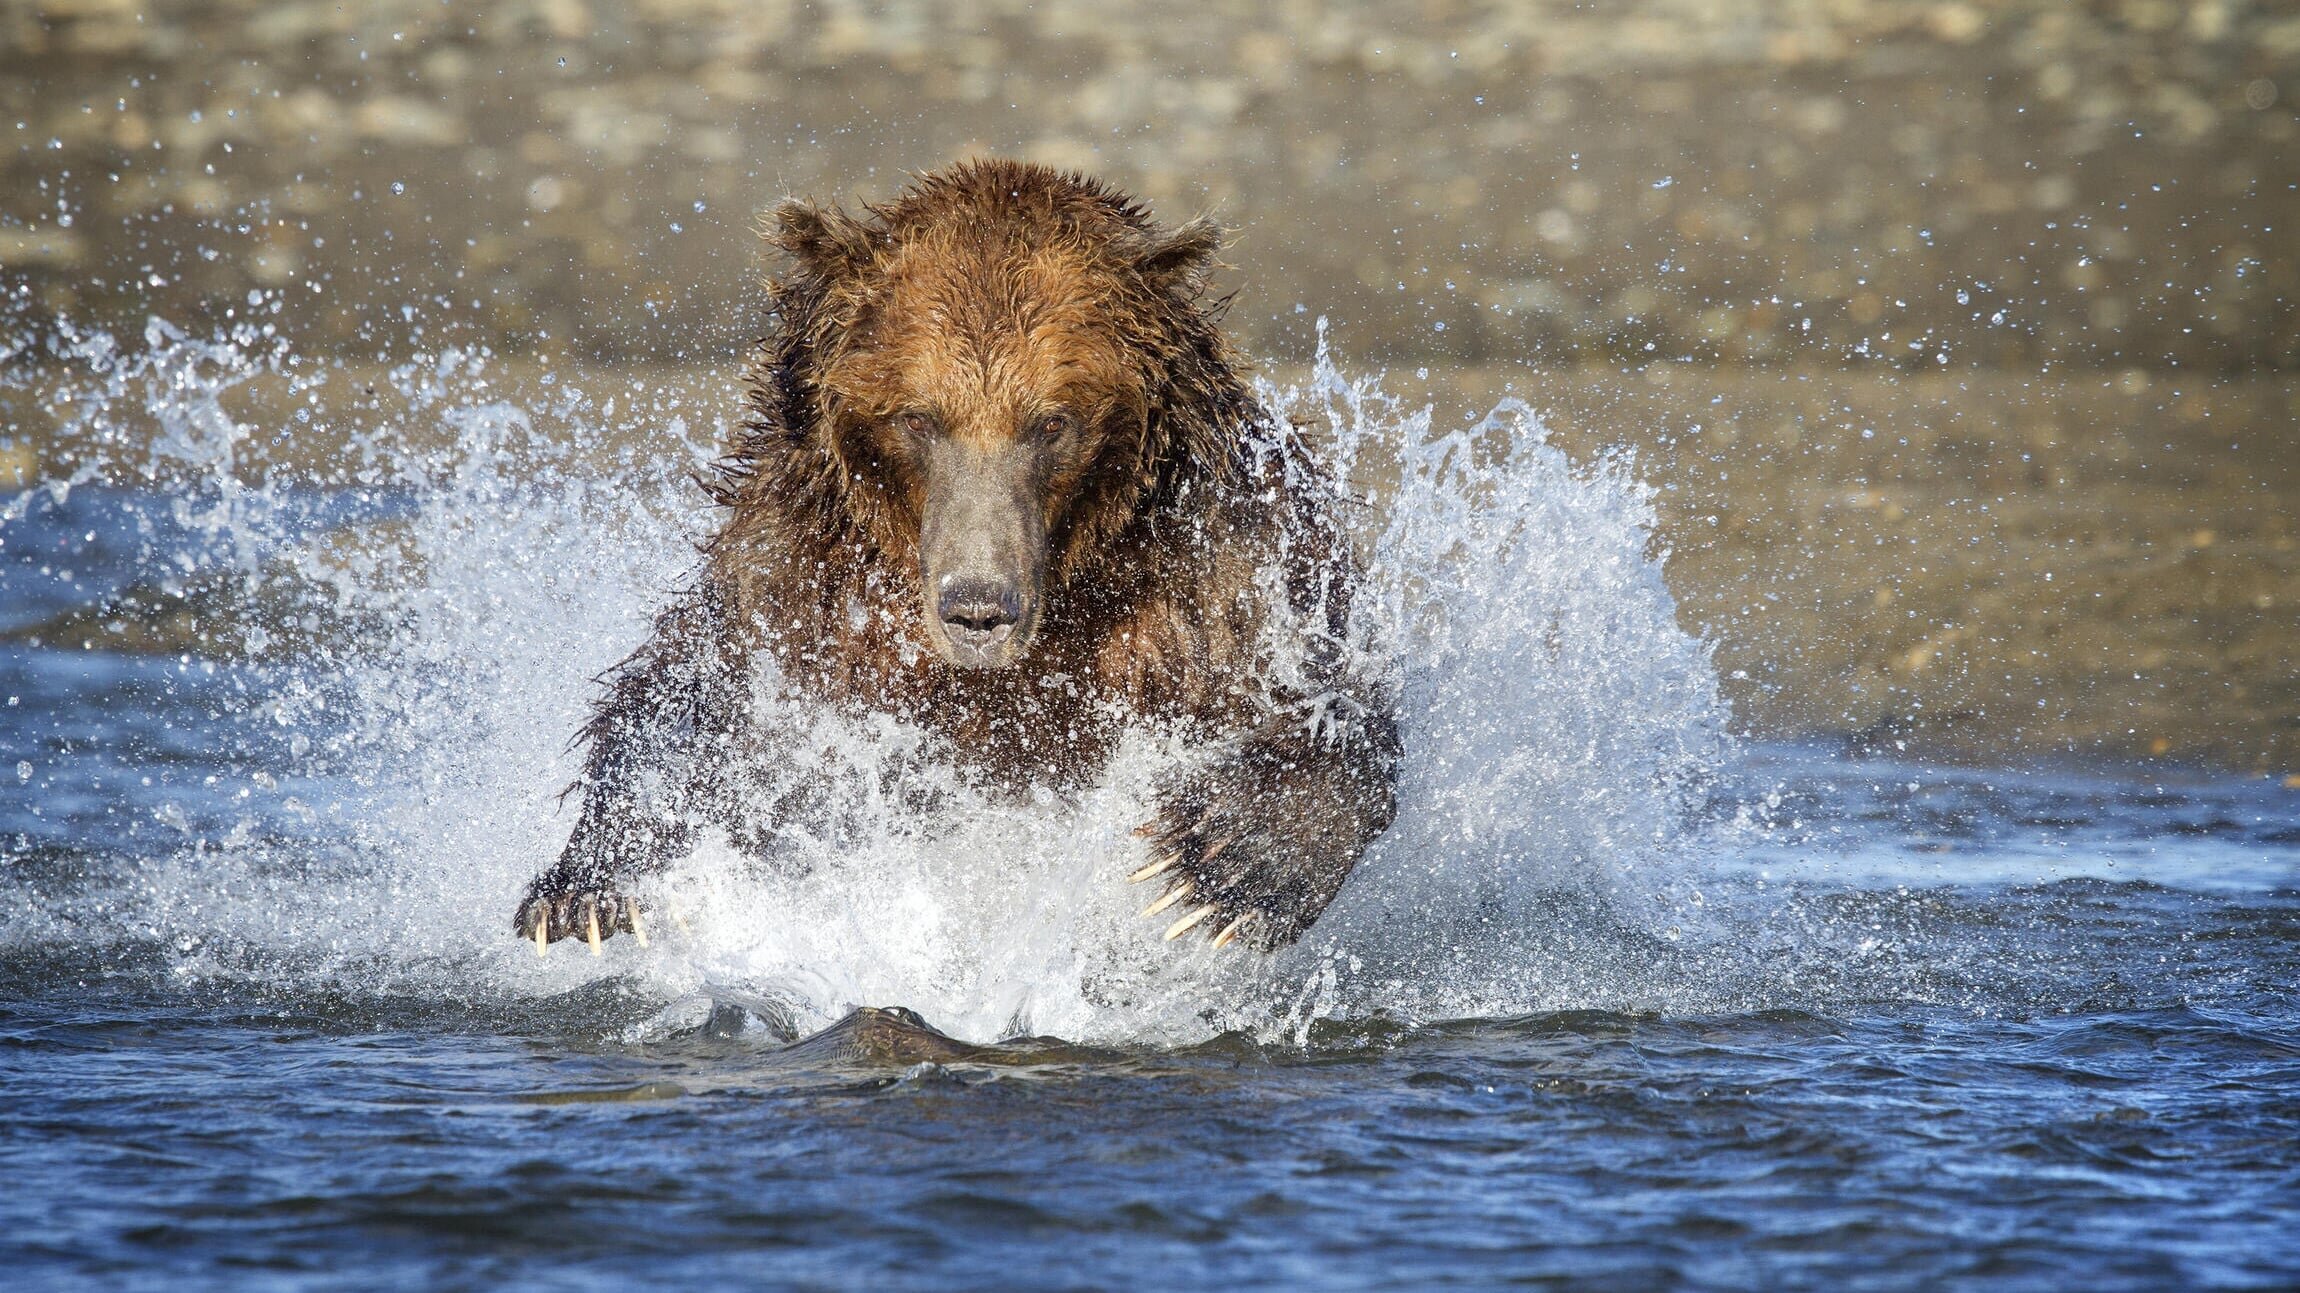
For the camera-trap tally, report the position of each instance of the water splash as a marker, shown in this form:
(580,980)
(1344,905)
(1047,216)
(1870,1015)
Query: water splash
(422,629)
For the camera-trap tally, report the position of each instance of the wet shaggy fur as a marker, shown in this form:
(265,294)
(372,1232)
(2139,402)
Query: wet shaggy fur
(1011,312)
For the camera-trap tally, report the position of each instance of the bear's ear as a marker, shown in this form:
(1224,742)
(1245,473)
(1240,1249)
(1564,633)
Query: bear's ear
(1174,257)
(825,241)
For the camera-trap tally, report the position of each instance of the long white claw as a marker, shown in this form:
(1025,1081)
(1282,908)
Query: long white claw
(1173,895)
(1182,926)
(542,931)
(591,908)
(1230,930)
(631,913)
(1155,868)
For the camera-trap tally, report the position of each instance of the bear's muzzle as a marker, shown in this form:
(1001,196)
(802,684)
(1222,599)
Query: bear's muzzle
(982,549)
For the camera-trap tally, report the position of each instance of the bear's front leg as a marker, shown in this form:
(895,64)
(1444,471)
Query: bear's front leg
(654,770)
(1256,845)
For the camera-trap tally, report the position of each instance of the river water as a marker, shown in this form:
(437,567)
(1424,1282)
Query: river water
(1623,1001)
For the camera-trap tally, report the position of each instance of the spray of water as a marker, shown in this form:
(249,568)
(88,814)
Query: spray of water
(470,567)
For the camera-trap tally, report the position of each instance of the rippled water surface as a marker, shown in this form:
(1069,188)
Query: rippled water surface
(1619,1003)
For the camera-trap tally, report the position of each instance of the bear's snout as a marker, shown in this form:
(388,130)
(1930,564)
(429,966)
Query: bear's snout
(979,618)
(982,551)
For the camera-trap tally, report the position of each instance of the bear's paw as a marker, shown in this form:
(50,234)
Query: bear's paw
(591,913)
(1254,846)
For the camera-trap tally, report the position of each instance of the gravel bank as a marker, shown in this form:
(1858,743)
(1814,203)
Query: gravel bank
(1941,183)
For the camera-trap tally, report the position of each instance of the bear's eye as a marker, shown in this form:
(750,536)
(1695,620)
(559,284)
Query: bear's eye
(918,424)
(1054,426)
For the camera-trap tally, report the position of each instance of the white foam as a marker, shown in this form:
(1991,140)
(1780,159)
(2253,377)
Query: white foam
(1556,722)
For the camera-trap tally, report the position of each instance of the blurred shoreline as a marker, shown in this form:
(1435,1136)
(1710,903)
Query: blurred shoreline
(1932,183)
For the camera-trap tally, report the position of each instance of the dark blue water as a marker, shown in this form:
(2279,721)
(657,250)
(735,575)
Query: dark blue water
(1895,1027)
(2135,1129)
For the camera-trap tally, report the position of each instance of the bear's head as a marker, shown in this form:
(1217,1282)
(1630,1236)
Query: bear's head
(990,379)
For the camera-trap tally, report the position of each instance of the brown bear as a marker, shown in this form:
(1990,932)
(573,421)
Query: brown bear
(1000,475)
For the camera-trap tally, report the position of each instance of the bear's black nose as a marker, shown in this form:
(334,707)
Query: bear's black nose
(977,612)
